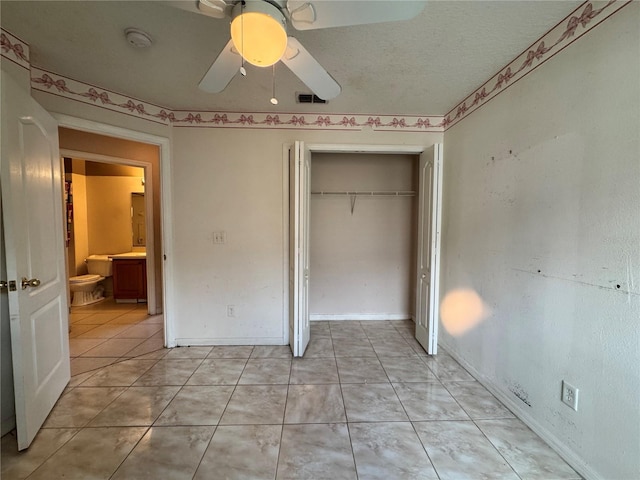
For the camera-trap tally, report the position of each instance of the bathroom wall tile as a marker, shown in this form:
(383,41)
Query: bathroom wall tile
(361,370)
(314,370)
(407,369)
(169,453)
(256,404)
(389,450)
(477,401)
(169,372)
(530,457)
(93,453)
(314,404)
(16,465)
(188,352)
(376,402)
(241,453)
(317,451)
(218,372)
(119,374)
(242,351)
(460,450)
(137,406)
(266,371)
(428,401)
(81,405)
(201,405)
(113,347)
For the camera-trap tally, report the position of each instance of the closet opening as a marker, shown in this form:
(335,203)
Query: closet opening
(363,224)
(364,228)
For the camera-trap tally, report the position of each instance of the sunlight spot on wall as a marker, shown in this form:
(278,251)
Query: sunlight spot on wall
(461,310)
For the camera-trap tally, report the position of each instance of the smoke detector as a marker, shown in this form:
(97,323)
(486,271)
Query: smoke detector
(138,38)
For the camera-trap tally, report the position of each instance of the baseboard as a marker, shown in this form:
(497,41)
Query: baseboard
(315,317)
(569,456)
(206,342)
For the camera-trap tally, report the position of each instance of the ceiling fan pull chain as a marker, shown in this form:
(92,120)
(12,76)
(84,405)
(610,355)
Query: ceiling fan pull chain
(243,71)
(274,100)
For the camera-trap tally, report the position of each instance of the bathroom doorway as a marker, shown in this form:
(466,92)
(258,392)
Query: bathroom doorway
(116,177)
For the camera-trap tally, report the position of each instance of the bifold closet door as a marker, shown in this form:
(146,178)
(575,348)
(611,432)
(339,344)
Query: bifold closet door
(300,195)
(428,251)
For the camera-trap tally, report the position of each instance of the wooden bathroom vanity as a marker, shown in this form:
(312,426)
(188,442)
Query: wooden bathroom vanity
(130,277)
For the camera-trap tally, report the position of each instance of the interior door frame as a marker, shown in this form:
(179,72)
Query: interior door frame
(164,148)
(148,207)
(330,148)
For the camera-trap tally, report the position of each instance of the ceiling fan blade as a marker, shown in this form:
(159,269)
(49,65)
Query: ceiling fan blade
(307,68)
(310,15)
(223,69)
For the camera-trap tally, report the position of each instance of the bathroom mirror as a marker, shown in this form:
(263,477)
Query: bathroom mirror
(138,229)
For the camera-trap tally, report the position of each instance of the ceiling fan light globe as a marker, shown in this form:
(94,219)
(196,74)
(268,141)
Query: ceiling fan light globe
(258,33)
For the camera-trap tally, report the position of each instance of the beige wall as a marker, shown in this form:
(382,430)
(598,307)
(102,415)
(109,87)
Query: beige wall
(235,181)
(109,212)
(541,196)
(362,262)
(79,245)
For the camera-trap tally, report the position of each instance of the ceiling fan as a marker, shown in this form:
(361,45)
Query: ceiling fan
(259,34)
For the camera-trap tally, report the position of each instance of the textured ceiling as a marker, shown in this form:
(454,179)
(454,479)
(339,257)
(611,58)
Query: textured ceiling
(421,66)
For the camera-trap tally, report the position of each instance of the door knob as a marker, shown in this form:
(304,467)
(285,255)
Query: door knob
(424,275)
(3,284)
(34,282)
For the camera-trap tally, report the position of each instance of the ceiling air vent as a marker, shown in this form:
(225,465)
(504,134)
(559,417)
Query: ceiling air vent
(309,98)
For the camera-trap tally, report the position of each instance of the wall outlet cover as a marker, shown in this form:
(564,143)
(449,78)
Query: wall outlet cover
(570,395)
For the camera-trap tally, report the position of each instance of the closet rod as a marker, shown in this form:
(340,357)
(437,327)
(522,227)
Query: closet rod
(368,194)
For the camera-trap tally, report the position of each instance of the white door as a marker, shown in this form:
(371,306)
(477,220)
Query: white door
(428,254)
(35,256)
(299,197)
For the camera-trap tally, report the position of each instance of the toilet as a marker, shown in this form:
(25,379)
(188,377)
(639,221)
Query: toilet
(85,288)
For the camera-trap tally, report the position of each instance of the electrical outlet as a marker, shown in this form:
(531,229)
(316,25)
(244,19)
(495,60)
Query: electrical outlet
(231,310)
(570,395)
(219,237)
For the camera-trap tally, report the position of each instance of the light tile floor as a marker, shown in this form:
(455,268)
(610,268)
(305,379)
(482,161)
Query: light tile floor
(365,402)
(107,332)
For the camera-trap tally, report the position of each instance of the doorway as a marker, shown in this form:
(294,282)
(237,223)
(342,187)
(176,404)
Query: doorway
(103,237)
(426,186)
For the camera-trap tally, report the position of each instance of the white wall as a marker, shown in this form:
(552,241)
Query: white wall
(235,181)
(362,262)
(542,219)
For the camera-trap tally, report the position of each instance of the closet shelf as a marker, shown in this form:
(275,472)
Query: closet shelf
(368,194)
